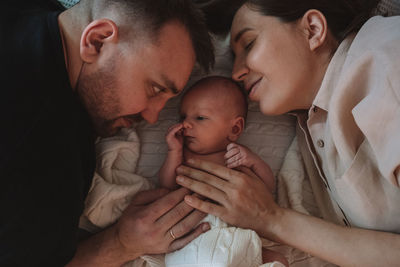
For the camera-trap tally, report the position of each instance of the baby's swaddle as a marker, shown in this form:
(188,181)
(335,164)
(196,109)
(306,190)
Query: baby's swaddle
(114,185)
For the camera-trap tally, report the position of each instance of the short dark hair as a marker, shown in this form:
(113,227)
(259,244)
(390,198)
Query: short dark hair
(152,15)
(343,16)
(219,13)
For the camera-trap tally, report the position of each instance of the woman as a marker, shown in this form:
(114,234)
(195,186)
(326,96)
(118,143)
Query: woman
(342,81)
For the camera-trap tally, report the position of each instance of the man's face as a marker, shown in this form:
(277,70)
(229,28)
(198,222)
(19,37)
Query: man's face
(135,81)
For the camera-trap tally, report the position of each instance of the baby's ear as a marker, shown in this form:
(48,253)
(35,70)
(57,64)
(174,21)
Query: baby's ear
(237,129)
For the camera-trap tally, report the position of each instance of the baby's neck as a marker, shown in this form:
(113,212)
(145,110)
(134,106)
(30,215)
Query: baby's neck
(217,157)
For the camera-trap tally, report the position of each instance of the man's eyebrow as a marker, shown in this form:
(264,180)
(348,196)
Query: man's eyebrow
(239,35)
(170,85)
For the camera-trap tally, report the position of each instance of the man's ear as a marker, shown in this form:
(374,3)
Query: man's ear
(316,28)
(237,129)
(94,36)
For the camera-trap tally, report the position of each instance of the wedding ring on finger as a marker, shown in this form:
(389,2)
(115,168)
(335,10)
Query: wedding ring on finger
(171,233)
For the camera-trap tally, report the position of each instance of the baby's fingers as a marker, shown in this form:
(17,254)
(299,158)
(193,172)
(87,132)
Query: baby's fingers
(233,161)
(231,153)
(232,146)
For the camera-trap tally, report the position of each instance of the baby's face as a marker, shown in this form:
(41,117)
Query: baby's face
(207,122)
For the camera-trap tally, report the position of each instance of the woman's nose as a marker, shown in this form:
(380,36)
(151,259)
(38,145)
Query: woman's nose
(240,70)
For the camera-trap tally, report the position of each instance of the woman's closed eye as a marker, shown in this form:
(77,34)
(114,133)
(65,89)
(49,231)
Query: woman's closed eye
(249,45)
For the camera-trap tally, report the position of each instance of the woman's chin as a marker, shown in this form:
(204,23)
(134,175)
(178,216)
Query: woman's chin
(270,110)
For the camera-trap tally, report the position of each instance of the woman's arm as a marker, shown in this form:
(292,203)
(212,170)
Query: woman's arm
(239,196)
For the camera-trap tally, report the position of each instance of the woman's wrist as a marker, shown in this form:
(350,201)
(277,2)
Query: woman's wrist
(271,223)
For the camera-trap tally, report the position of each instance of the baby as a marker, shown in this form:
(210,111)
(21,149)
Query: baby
(213,113)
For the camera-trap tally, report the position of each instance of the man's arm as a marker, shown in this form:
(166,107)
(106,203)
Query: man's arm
(144,228)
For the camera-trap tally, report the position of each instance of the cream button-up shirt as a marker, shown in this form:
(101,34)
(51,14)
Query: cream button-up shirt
(351,134)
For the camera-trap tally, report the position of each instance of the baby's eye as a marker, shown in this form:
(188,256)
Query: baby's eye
(200,118)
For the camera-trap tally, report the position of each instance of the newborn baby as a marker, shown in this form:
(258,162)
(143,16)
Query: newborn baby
(213,113)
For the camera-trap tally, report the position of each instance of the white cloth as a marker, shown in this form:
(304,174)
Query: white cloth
(114,185)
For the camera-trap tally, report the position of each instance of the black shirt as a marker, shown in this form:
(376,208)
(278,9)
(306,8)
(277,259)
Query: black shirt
(46,145)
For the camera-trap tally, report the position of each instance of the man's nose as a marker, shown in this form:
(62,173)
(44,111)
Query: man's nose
(151,113)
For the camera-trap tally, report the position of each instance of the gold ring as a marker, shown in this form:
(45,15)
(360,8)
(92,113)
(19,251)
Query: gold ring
(172,234)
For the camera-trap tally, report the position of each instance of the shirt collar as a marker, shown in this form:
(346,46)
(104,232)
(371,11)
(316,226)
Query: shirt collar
(332,74)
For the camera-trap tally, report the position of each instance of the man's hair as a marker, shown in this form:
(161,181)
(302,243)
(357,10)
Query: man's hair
(147,17)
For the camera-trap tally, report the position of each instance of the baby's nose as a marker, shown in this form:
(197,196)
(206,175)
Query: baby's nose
(186,124)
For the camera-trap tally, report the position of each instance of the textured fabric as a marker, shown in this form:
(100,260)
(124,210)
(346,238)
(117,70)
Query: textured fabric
(114,185)
(222,246)
(353,128)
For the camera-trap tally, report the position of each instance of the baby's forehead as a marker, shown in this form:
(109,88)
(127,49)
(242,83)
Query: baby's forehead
(216,88)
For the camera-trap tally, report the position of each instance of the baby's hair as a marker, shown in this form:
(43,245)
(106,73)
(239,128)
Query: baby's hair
(243,105)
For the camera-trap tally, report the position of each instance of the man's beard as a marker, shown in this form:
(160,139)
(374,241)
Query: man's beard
(98,94)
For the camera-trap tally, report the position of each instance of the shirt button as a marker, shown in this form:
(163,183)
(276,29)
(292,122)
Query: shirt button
(320,143)
(315,109)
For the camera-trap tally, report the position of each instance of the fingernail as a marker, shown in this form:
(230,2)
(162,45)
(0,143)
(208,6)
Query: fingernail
(190,161)
(180,179)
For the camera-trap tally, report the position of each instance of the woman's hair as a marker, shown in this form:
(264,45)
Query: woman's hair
(219,13)
(343,16)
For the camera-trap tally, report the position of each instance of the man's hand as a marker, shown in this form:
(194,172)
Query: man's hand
(159,222)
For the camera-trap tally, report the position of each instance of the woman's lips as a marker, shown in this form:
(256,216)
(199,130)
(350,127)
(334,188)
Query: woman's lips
(253,89)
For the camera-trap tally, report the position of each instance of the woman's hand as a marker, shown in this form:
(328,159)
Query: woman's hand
(244,201)
(241,200)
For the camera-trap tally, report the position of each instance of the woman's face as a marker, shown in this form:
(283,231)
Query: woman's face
(274,61)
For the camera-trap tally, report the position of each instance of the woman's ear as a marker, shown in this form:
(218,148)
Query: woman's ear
(237,129)
(316,28)
(94,36)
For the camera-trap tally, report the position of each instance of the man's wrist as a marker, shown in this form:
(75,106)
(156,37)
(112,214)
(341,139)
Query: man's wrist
(103,249)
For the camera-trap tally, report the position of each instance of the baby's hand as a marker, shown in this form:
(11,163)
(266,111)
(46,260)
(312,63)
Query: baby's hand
(174,137)
(238,155)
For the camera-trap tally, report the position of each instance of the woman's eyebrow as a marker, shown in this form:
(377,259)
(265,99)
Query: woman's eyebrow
(240,33)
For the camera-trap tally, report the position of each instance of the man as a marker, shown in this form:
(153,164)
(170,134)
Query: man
(67,77)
